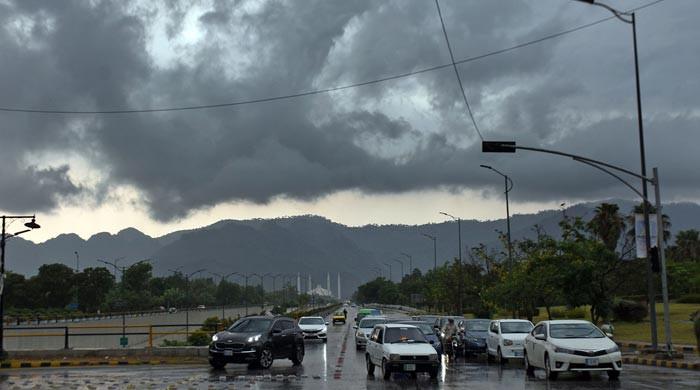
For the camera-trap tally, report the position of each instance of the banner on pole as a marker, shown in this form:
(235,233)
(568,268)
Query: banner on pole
(639,236)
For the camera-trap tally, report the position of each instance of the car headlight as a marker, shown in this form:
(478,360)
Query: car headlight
(253,339)
(613,349)
(215,338)
(507,342)
(394,356)
(474,339)
(360,334)
(434,357)
(563,350)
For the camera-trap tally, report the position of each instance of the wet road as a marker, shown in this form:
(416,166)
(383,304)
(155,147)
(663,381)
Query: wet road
(334,365)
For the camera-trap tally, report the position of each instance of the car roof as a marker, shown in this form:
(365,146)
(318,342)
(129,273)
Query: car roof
(511,320)
(374,318)
(311,317)
(394,325)
(556,322)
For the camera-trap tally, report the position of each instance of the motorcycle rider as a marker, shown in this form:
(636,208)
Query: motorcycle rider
(449,331)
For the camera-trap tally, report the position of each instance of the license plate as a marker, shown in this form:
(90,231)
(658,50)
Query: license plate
(228,352)
(517,353)
(409,367)
(591,362)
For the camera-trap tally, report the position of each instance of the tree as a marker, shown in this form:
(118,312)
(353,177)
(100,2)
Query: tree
(17,291)
(687,246)
(92,286)
(136,277)
(54,284)
(607,224)
(638,209)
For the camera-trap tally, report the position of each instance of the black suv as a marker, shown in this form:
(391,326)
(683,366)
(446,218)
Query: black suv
(257,340)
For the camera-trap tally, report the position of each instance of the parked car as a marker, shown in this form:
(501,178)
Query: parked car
(314,328)
(400,348)
(506,338)
(257,340)
(172,310)
(428,332)
(474,333)
(338,317)
(364,329)
(571,345)
(201,307)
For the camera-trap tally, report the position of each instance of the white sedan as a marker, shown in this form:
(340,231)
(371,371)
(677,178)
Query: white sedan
(571,345)
(505,339)
(400,348)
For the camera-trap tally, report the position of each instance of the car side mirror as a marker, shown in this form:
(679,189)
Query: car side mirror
(276,331)
(541,336)
(326,322)
(354,326)
(432,341)
(610,335)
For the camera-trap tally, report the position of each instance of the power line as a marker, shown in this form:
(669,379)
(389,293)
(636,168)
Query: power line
(324,90)
(454,66)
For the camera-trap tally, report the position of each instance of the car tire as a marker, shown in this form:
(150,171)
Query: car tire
(490,358)
(358,347)
(386,372)
(529,369)
(501,359)
(265,358)
(613,375)
(551,375)
(325,340)
(298,357)
(217,364)
(370,365)
(433,373)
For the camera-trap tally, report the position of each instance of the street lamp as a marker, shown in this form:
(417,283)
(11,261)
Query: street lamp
(410,262)
(434,238)
(245,289)
(508,187)
(389,267)
(400,262)
(77,261)
(223,303)
(3,239)
(459,244)
(187,299)
(629,18)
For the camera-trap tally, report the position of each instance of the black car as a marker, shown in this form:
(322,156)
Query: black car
(475,332)
(257,340)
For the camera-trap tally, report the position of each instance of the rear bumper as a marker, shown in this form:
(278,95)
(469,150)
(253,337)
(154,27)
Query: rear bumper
(475,346)
(315,336)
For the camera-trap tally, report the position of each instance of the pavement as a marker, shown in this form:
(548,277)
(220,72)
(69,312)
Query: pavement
(335,365)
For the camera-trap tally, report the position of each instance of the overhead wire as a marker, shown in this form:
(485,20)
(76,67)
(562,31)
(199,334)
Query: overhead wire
(324,90)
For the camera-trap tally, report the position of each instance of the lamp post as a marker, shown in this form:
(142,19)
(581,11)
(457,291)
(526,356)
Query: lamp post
(261,285)
(410,262)
(508,186)
(459,244)
(187,298)
(629,18)
(77,261)
(400,262)
(223,303)
(434,238)
(113,263)
(3,240)
(389,267)
(245,289)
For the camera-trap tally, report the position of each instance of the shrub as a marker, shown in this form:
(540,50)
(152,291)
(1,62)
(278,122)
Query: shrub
(199,338)
(689,298)
(173,343)
(629,311)
(575,312)
(211,324)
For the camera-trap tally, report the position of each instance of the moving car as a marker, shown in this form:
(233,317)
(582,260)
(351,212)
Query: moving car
(362,313)
(338,316)
(364,329)
(257,340)
(506,338)
(428,332)
(314,328)
(571,345)
(400,348)
(474,333)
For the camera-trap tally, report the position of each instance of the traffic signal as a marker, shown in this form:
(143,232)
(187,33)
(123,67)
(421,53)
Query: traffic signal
(498,146)
(654,258)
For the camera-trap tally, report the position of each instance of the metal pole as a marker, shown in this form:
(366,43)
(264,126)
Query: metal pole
(510,245)
(187,306)
(662,259)
(459,274)
(3,353)
(434,253)
(245,294)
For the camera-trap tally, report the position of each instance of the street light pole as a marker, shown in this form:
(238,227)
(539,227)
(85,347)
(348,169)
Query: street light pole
(77,261)
(434,238)
(508,187)
(400,262)
(187,298)
(629,18)
(459,243)
(3,241)
(223,300)
(389,267)
(410,262)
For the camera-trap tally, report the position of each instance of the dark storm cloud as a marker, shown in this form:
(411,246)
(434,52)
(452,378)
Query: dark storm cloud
(573,94)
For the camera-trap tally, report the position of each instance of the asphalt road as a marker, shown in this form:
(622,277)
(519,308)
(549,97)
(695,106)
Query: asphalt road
(323,369)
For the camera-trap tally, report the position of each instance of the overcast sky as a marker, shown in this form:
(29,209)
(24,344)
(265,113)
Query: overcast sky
(393,152)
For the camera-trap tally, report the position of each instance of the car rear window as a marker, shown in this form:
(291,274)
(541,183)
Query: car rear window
(370,322)
(477,326)
(516,327)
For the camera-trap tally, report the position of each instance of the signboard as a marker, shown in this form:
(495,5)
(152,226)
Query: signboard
(123,341)
(639,236)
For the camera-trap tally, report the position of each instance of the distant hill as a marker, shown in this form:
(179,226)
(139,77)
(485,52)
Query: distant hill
(306,244)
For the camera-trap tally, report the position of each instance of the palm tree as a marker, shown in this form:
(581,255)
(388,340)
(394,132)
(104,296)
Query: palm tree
(638,209)
(687,245)
(607,225)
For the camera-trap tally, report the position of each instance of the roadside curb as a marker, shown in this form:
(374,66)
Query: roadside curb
(661,363)
(637,345)
(10,364)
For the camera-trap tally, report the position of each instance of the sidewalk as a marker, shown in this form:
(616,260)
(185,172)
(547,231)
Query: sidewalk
(637,352)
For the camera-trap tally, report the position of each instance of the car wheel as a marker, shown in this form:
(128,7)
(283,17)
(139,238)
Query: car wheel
(298,355)
(265,359)
(613,375)
(370,365)
(358,347)
(490,357)
(386,372)
(548,369)
(433,373)
(529,369)
(501,359)
(217,364)
(325,340)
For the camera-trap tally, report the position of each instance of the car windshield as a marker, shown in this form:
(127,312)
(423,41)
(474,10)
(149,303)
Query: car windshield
(516,327)
(370,322)
(574,331)
(425,328)
(477,326)
(311,321)
(403,335)
(248,325)
(339,314)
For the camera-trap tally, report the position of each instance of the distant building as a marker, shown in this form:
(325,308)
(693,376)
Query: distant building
(321,292)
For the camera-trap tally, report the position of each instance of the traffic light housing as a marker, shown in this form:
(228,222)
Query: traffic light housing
(498,146)
(654,258)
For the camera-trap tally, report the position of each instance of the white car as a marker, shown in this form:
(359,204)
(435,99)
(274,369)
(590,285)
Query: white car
(364,329)
(314,328)
(571,345)
(505,339)
(400,348)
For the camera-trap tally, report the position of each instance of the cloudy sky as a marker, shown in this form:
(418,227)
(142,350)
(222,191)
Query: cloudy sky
(392,152)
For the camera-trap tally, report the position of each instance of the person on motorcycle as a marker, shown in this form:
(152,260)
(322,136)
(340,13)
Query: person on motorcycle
(449,331)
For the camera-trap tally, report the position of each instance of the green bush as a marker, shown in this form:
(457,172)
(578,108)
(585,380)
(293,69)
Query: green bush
(174,343)
(211,324)
(689,298)
(199,338)
(629,311)
(575,312)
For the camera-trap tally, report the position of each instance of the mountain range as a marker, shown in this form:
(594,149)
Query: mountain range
(302,244)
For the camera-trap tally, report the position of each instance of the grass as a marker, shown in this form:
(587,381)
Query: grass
(681,327)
